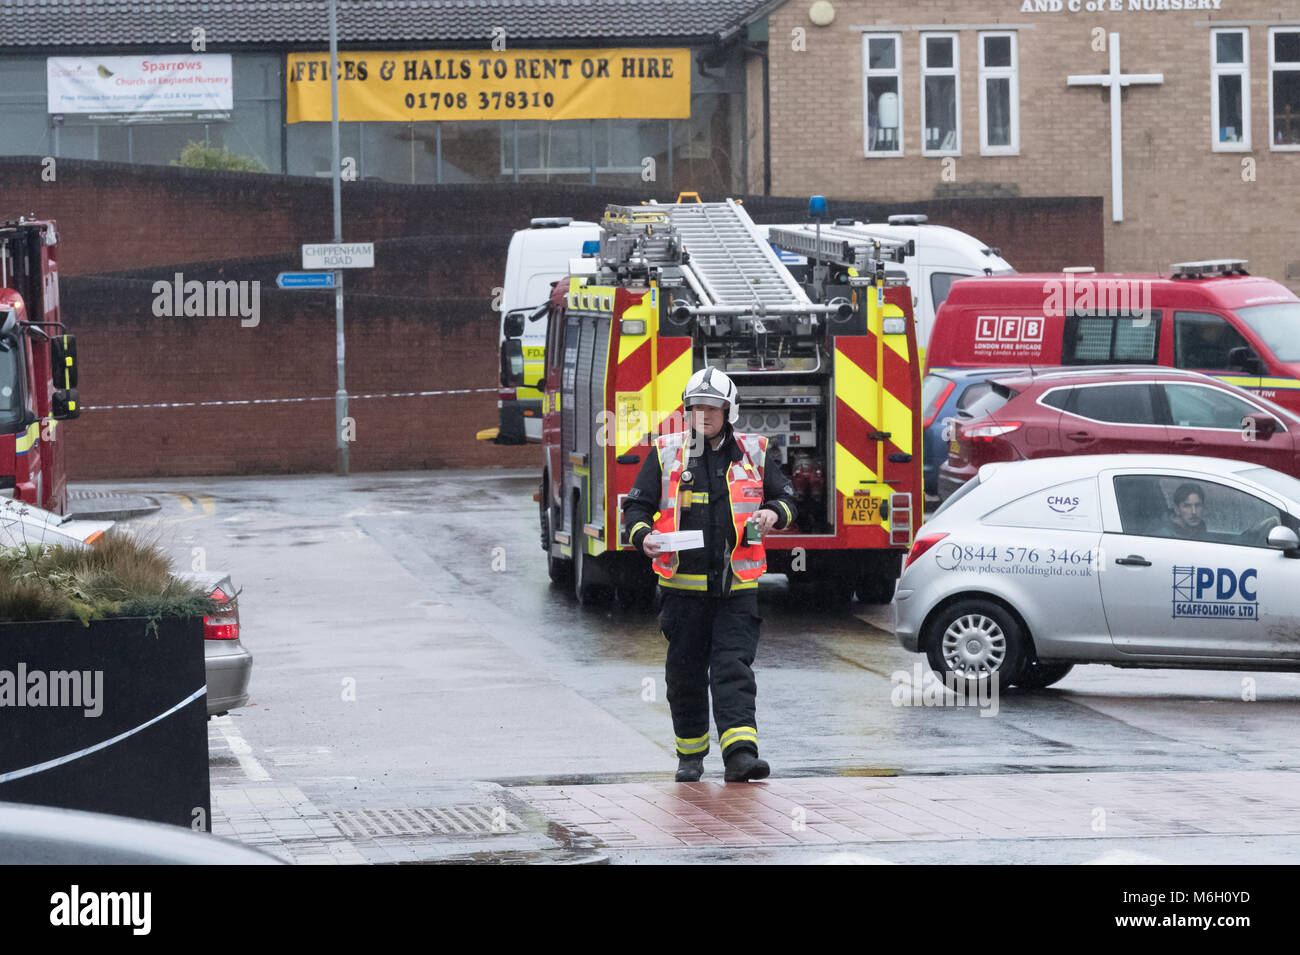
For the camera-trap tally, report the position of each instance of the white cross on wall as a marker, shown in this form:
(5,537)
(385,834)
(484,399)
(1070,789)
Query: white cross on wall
(1116,81)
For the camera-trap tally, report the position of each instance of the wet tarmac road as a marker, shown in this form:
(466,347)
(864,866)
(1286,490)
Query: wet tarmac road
(408,644)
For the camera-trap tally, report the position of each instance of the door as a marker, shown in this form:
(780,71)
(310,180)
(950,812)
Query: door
(1208,343)
(1109,419)
(1213,422)
(1188,572)
(556,325)
(1041,552)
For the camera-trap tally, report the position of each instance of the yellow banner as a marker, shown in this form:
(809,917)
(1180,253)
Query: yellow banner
(520,84)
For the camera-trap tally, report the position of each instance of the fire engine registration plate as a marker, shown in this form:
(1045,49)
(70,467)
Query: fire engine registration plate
(861,509)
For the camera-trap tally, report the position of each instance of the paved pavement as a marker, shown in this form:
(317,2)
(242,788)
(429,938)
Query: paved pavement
(422,694)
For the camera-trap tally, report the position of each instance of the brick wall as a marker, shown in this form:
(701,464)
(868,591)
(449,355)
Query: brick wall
(1183,201)
(419,321)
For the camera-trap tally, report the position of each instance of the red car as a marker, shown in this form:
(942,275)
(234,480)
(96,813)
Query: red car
(1135,410)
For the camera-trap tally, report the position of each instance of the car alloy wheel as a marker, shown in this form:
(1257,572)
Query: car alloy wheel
(976,640)
(974,646)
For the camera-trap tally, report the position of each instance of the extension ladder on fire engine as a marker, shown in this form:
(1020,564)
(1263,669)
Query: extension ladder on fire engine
(730,257)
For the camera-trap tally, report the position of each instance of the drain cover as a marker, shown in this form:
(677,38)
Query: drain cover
(409,823)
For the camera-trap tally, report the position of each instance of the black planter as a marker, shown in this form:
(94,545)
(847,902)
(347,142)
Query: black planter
(144,755)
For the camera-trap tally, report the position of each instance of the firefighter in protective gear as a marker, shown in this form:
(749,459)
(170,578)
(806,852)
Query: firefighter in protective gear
(712,479)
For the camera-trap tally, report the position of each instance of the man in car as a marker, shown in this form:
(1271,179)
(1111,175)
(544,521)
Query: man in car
(1188,521)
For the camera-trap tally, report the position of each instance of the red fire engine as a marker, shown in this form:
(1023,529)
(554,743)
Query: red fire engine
(826,368)
(38,366)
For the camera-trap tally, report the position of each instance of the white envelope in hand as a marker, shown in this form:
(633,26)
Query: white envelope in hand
(679,540)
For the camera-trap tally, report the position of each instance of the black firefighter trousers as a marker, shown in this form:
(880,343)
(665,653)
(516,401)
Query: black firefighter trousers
(711,645)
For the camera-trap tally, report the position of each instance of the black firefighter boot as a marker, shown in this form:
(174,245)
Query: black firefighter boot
(744,765)
(690,769)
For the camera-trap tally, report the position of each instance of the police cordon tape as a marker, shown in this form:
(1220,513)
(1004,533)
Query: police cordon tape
(282,401)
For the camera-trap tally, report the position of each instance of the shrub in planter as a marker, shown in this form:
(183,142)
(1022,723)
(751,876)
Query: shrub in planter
(102,702)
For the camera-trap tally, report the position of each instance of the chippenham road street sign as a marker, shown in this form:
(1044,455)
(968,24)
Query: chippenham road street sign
(339,255)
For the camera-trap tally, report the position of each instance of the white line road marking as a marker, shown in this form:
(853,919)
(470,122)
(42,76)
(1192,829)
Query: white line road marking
(242,751)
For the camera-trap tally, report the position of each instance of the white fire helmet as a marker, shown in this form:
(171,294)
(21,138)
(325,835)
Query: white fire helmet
(712,387)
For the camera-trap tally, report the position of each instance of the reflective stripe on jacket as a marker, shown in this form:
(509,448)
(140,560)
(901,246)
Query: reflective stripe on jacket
(744,489)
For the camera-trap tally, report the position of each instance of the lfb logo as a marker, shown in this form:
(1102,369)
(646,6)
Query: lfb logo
(1009,329)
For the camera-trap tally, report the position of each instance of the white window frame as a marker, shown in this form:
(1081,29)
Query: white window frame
(867,73)
(1011,73)
(1241,69)
(955,72)
(1273,68)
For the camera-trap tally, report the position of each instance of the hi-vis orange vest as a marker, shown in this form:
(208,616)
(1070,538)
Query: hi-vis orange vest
(744,488)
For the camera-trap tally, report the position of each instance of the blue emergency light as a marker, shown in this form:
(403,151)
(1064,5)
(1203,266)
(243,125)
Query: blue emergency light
(590,247)
(817,207)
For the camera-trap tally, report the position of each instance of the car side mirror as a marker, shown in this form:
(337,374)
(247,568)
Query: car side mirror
(1285,540)
(1259,427)
(513,324)
(1243,358)
(512,363)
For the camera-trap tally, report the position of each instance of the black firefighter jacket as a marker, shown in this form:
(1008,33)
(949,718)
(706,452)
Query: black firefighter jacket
(705,506)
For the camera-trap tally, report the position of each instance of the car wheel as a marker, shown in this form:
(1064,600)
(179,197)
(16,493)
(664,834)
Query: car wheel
(559,569)
(1039,676)
(976,640)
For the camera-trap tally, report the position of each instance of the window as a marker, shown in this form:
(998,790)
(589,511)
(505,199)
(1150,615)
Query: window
(1159,505)
(941,285)
(1284,88)
(1105,339)
(1120,404)
(934,392)
(883,99)
(940,95)
(999,95)
(11,401)
(1230,90)
(1057,398)
(972,394)
(1205,342)
(985,401)
(1276,325)
(1196,406)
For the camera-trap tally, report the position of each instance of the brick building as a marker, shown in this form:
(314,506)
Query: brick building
(945,98)
(696,140)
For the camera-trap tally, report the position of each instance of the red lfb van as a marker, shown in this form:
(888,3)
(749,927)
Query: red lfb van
(1210,317)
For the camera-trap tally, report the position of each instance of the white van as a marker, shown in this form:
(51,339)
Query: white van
(538,256)
(943,256)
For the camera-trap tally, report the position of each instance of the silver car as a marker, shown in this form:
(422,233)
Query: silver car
(1137,560)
